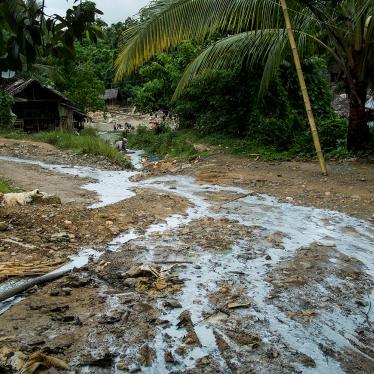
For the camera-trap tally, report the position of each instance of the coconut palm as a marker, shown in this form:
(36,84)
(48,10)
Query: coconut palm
(255,33)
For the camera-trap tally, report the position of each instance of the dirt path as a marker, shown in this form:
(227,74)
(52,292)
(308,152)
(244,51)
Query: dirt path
(30,177)
(202,275)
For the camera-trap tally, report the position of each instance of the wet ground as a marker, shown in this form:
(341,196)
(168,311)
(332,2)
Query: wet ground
(235,282)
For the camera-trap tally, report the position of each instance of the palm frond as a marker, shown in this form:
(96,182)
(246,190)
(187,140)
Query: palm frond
(266,48)
(171,22)
(249,49)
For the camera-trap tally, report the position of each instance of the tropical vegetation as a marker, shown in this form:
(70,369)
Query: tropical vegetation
(225,73)
(252,33)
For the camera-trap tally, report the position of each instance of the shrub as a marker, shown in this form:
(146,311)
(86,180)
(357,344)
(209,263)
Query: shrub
(6,103)
(5,186)
(332,133)
(168,143)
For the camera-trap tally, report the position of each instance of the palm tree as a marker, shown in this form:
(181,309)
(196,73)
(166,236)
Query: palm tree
(256,33)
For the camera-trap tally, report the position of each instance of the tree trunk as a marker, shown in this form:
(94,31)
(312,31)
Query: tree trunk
(359,137)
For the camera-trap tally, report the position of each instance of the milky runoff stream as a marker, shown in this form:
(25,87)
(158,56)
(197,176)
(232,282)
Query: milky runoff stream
(300,227)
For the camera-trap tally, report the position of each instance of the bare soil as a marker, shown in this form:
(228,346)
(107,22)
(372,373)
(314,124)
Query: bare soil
(348,188)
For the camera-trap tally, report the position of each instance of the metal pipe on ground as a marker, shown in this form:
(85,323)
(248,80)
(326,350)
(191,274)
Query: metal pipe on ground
(16,290)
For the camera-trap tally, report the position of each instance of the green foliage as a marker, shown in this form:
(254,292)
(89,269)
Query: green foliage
(158,79)
(166,144)
(6,102)
(99,57)
(225,102)
(84,87)
(180,144)
(27,34)
(5,186)
(332,133)
(253,33)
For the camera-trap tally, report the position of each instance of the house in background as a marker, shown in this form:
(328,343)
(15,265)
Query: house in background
(111,96)
(39,107)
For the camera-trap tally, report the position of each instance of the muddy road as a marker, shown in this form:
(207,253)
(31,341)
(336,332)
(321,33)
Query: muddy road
(195,269)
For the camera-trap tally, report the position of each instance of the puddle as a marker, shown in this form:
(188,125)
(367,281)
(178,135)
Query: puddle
(299,227)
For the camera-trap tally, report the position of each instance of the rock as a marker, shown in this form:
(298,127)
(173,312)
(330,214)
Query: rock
(54,292)
(36,342)
(79,282)
(3,226)
(268,257)
(100,358)
(108,319)
(168,356)
(327,193)
(61,237)
(172,304)
(130,282)
(122,366)
(147,355)
(289,198)
(66,291)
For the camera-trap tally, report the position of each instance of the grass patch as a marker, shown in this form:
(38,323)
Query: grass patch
(167,144)
(87,142)
(5,186)
(180,144)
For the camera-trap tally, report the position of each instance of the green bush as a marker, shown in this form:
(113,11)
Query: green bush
(180,144)
(6,103)
(226,102)
(158,78)
(5,186)
(166,144)
(332,133)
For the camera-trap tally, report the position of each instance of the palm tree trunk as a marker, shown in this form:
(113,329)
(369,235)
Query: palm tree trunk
(359,136)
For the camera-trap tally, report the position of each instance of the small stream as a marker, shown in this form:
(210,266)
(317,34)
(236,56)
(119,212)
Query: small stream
(300,226)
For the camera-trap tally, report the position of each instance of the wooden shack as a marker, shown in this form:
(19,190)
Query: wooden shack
(111,96)
(39,107)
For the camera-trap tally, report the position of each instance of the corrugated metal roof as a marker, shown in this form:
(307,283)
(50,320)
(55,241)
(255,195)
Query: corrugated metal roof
(110,94)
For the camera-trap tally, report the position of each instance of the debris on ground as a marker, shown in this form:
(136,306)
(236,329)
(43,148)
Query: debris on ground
(152,280)
(38,359)
(19,269)
(155,166)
